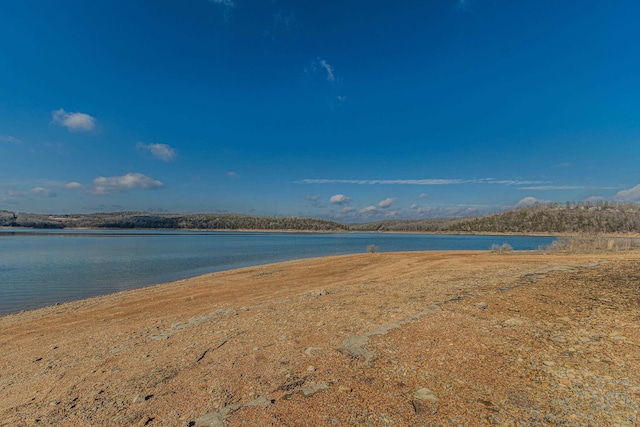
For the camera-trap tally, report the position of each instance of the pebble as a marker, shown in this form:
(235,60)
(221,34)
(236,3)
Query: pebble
(424,394)
(481,305)
(514,321)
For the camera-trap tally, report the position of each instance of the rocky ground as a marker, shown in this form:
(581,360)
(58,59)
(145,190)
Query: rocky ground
(409,339)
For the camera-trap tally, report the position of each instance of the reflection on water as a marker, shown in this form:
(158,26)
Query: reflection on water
(39,268)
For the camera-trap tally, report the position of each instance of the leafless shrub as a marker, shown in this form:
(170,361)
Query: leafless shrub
(505,247)
(372,249)
(593,243)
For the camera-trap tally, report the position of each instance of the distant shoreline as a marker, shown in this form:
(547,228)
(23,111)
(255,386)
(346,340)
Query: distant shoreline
(245,230)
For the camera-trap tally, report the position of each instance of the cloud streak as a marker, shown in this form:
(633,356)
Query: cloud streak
(103,186)
(75,122)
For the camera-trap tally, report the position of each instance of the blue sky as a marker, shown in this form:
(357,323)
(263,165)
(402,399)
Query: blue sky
(348,110)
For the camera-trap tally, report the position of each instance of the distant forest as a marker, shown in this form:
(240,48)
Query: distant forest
(553,218)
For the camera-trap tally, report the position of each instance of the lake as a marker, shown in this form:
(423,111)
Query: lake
(45,267)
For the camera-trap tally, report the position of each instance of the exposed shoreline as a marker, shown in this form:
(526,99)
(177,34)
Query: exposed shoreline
(353,338)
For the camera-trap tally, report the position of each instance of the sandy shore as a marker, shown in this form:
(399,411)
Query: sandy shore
(407,339)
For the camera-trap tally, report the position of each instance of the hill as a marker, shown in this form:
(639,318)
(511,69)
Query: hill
(552,218)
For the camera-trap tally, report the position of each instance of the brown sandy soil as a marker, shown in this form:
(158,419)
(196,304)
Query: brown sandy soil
(406,339)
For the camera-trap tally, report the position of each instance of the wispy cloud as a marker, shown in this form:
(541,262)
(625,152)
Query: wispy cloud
(116,184)
(162,152)
(382,181)
(430,181)
(36,191)
(41,191)
(10,139)
(283,24)
(232,174)
(321,66)
(339,199)
(227,6)
(553,187)
(75,122)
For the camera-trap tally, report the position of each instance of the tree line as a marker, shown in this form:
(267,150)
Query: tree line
(601,217)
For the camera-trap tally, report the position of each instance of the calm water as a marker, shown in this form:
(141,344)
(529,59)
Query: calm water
(39,268)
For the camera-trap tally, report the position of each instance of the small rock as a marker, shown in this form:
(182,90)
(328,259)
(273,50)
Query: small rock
(313,389)
(558,338)
(548,363)
(481,305)
(141,397)
(424,394)
(311,369)
(212,419)
(345,389)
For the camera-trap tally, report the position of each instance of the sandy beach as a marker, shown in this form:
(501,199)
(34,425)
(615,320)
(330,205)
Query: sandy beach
(385,339)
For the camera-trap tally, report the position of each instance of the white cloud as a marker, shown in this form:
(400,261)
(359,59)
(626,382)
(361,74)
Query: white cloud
(423,195)
(313,198)
(339,199)
(232,174)
(347,209)
(368,209)
(73,185)
(387,202)
(159,151)
(9,138)
(630,195)
(73,121)
(414,206)
(116,184)
(528,201)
